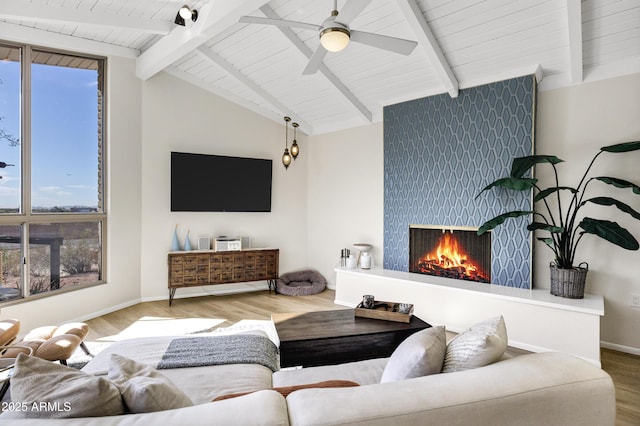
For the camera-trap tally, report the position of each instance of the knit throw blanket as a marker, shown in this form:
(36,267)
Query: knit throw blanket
(218,350)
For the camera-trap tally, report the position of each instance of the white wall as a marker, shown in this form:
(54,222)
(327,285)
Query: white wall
(178,116)
(123,238)
(573,123)
(345,195)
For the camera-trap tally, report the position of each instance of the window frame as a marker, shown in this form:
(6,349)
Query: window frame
(26,216)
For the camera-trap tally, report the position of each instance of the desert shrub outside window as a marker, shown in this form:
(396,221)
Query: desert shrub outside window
(52,216)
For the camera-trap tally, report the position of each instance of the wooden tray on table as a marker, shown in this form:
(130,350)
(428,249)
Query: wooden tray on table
(387,311)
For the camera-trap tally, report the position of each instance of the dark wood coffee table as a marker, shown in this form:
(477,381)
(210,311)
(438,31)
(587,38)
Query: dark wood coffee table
(334,337)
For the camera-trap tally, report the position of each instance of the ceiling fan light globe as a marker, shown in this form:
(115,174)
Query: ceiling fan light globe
(334,39)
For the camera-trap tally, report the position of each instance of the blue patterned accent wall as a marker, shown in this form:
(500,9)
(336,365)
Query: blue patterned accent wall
(439,152)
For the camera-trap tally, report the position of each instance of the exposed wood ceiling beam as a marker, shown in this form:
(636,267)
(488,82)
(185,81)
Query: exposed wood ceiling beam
(213,18)
(574,26)
(211,56)
(299,44)
(428,41)
(42,13)
(21,34)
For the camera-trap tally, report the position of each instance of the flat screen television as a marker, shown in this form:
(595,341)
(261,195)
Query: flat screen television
(217,183)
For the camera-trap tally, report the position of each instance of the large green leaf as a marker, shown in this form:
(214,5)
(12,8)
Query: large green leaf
(498,220)
(534,226)
(547,241)
(608,201)
(520,165)
(610,231)
(546,192)
(619,183)
(517,184)
(622,147)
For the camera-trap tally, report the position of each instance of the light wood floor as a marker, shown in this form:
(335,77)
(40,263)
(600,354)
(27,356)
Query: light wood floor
(230,309)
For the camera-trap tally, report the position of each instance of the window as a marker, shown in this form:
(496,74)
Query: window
(52,215)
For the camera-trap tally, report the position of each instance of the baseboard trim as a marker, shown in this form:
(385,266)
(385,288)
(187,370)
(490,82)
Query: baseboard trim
(106,311)
(620,348)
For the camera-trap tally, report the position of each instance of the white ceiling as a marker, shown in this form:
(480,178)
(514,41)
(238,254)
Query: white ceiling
(461,44)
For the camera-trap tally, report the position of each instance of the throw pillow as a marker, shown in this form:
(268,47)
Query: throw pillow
(480,345)
(420,354)
(143,388)
(49,390)
(286,390)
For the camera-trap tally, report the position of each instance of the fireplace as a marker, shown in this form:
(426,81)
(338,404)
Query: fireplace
(458,253)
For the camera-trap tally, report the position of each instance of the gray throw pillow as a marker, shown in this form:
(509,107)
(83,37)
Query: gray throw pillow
(49,390)
(480,345)
(143,388)
(420,354)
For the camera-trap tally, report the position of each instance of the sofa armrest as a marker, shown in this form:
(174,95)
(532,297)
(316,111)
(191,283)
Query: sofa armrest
(544,388)
(265,407)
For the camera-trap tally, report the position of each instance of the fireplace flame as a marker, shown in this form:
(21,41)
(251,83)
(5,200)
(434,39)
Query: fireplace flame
(449,259)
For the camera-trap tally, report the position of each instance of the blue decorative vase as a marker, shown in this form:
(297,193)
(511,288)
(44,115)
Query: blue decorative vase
(175,244)
(187,243)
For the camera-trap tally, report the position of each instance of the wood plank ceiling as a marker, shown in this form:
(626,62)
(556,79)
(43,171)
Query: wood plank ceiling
(461,44)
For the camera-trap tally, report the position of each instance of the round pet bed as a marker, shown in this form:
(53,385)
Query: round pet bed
(301,283)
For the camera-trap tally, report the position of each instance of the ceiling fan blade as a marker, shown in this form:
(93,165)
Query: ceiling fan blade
(315,61)
(351,10)
(278,22)
(392,44)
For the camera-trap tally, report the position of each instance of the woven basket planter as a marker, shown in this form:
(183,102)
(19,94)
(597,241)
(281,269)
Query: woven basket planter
(568,282)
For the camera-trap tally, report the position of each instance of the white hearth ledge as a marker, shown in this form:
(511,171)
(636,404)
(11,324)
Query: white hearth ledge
(536,320)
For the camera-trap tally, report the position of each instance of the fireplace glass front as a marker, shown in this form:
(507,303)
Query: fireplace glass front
(450,253)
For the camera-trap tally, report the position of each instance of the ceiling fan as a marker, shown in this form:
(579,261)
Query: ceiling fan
(335,33)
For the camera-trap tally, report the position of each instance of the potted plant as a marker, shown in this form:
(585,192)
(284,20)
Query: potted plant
(564,227)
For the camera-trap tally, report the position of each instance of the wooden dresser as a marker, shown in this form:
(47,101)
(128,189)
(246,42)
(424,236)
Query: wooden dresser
(206,267)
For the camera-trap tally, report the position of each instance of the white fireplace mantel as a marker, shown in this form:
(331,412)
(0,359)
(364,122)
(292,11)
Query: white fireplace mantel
(536,320)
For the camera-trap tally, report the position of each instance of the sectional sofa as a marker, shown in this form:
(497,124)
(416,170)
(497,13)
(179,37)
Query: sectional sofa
(532,389)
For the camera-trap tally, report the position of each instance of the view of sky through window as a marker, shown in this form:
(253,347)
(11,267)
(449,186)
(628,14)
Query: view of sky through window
(9,135)
(64,137)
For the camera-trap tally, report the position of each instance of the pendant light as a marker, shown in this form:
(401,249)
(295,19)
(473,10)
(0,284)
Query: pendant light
(286,158)
(295,149)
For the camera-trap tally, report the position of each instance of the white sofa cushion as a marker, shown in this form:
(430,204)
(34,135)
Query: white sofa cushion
(143,388)
(420,354)
(49,390)
(365,372)
(482,344)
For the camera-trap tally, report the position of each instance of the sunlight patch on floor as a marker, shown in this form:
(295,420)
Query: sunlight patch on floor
(157,326)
